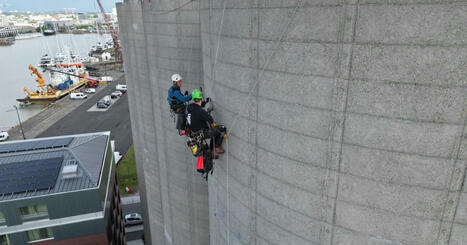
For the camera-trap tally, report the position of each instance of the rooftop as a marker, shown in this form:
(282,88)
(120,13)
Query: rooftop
(37,167)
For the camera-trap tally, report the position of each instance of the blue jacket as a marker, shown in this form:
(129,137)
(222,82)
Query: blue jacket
(174,92)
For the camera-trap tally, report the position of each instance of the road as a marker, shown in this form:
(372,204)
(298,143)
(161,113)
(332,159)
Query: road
(116,119)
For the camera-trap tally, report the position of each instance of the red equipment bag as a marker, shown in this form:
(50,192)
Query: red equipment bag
(200,164)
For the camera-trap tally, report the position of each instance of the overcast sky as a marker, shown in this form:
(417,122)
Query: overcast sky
(55,5)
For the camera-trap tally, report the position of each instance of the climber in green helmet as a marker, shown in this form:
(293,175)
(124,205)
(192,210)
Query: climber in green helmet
(197,94)
(199,120)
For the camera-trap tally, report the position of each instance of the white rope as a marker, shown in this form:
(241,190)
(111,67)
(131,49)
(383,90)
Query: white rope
(279,40)
(228,193)
(221,27)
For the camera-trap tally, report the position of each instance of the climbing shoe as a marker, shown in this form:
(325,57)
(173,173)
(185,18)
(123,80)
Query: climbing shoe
(219,150)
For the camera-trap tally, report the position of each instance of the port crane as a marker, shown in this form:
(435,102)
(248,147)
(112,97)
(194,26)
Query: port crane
(113,32)
(40,80)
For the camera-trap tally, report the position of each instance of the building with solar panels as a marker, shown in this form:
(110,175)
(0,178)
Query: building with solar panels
(60,190)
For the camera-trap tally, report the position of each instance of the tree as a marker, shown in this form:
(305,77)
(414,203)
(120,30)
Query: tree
(62,29)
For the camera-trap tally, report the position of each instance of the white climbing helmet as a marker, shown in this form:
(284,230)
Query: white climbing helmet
(176,77)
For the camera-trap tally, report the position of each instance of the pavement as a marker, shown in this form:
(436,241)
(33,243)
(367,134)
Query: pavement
(130,199)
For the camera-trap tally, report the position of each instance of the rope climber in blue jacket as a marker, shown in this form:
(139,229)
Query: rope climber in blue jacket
(175,98)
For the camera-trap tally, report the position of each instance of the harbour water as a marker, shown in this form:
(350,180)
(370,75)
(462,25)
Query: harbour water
(15,74)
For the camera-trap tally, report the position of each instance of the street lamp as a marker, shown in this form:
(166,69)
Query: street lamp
(20,124)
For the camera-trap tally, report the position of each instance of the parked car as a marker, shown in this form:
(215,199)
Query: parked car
(102,104)
(90,90)
(121,87)
(3,136)
(116,94)
(107,99)
(78,96)
(133,219)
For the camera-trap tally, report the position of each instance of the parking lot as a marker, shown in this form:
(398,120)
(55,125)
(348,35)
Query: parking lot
(113,101)
(115,118)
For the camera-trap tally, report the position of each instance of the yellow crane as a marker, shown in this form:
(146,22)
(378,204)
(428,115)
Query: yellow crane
(39,78)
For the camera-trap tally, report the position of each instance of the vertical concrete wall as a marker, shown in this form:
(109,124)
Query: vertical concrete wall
(167,37)
(353,130)
(139,98)
(347,119)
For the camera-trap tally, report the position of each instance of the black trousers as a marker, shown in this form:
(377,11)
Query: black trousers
(216,134)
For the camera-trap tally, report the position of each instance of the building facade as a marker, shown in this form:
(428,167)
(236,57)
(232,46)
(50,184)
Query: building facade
(60,190)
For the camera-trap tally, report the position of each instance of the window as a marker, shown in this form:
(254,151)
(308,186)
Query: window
(39,234)
(34,210)
(4,240)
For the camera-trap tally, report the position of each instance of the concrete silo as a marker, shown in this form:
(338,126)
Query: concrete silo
(165,37)
(347,121)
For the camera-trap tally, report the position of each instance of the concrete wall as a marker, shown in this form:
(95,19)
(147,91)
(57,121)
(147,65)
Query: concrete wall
(354,133)
(136,75)
(347,120)
(164,42)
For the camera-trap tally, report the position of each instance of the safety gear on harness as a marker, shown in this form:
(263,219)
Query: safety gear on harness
(204,164)
(197,143)
(197,94)
(200,149)
(176,77)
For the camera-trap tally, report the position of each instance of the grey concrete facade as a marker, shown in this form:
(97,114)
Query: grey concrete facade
(347,119)
(161,42)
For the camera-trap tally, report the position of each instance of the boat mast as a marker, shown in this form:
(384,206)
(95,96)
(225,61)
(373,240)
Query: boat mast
(113,32)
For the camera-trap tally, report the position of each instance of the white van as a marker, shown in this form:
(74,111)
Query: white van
(121,87)
(3,136)
(78,96)
(107,79)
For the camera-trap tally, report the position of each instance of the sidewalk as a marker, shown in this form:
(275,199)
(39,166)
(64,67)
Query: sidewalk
(130,199)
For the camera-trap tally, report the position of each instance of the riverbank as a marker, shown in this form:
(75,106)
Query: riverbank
(16,76)
(50,115)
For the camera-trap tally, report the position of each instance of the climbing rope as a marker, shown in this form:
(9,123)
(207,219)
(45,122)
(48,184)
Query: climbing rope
(243,107)
(221,27)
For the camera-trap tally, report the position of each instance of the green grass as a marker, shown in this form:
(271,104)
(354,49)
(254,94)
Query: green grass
(127,172)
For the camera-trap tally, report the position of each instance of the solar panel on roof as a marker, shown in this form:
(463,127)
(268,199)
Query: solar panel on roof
(34,145)
(31,175)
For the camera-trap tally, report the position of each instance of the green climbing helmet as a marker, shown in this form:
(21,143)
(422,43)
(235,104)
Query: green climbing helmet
(197,94)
